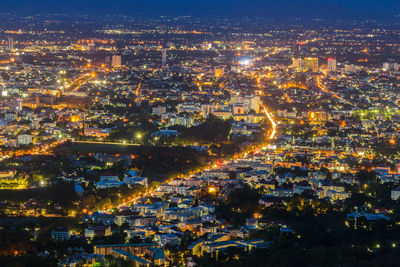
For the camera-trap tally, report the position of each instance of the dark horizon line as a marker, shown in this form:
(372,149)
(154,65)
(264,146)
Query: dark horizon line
(391,18)
(268,9)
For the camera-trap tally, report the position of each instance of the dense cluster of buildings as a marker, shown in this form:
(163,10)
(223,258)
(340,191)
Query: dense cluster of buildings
(329,102)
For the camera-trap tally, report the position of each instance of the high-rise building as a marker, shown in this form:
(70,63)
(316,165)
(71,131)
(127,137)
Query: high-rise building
(10,43)
(350,68)
(238,108)
(331,64)
(207,109)
(164,57)
(107,60)
(250,102)
(386,66)
(317,116)
(298,64)
(219,72)
(390,66)
(311,63)
(116,61)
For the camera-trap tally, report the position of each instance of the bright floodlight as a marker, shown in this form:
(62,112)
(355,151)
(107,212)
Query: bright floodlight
(245,62)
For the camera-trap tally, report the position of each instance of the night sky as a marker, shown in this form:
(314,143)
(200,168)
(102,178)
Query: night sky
(210,8)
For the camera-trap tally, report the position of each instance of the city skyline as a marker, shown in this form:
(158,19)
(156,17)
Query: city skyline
(234,133)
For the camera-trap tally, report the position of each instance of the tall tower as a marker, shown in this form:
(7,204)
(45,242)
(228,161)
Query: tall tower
(297,64)
(164,58)
(311,63)
(116,61)
(11,43)
(331,64)
(37,100)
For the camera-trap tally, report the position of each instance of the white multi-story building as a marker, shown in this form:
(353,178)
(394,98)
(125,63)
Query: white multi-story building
(159,110)
(24,139)
(395,194)
(207,109)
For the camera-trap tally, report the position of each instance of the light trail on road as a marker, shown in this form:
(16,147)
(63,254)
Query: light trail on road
(326,90)
(211,166)
(273,123)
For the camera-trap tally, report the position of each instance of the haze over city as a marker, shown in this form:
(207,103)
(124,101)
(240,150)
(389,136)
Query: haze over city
(357,9)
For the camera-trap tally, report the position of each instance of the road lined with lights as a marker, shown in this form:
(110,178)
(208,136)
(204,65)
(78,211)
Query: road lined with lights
(270,136)
(78,82)
(273,123)
(323,88)
(106,143)
(45,149)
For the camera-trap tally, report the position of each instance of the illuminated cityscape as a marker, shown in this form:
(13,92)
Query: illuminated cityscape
(199,140)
